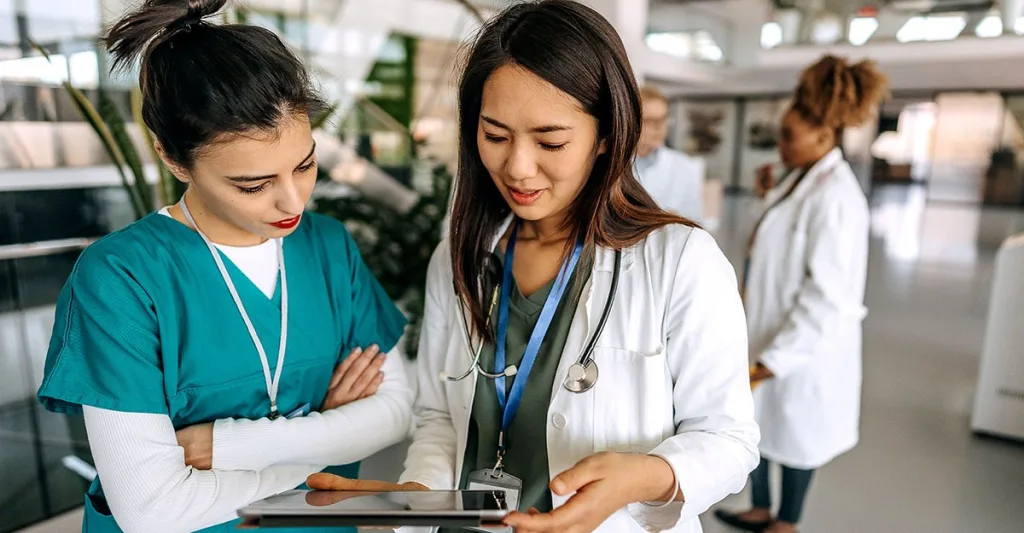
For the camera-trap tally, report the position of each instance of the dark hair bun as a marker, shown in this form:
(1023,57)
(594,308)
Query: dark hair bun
(129,38)
(200,81)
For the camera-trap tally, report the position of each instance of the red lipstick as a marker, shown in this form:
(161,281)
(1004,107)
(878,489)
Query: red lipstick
(287,223)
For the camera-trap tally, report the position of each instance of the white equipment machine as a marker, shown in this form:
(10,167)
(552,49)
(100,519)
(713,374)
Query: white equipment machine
(999,401)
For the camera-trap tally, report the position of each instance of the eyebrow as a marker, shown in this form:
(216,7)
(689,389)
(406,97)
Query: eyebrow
(539,129)
(249,179)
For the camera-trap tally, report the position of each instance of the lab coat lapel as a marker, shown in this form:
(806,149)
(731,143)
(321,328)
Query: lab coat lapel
(820,171)
(589,311)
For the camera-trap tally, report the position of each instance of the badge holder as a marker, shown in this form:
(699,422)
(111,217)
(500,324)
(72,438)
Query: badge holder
(497,479)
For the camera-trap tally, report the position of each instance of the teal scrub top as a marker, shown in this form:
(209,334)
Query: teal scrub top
(146,324)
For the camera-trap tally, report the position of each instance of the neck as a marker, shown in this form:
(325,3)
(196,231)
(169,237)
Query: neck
(216,229)
(546,231)
(818,159)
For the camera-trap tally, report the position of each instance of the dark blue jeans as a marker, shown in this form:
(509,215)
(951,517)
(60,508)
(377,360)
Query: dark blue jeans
(795,483)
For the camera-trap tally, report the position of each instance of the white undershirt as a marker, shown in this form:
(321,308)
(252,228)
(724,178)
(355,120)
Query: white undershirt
(258,263)
(150,489)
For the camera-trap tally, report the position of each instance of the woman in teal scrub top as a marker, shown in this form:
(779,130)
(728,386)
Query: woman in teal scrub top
(225,348)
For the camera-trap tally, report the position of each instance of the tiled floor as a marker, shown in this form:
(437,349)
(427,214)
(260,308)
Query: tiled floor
(918,469)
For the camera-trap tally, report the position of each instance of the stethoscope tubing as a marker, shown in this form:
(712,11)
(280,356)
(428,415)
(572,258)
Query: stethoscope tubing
(586,358)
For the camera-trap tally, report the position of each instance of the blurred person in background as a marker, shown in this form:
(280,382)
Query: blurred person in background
(555,251)
(675,180)
(171,335)
(803,286)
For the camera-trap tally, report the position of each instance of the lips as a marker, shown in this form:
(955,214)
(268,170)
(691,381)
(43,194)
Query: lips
(524,197)
(287,223)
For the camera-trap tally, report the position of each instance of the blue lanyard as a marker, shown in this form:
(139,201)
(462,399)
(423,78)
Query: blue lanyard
(510,406)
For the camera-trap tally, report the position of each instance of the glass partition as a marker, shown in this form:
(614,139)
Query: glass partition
(44,457)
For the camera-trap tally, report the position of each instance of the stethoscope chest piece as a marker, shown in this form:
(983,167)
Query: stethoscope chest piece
(581,377)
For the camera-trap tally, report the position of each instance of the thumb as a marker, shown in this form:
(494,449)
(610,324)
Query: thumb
(584,473)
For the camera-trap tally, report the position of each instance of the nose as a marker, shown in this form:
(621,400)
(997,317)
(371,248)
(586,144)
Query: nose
(521,163)
(290,200)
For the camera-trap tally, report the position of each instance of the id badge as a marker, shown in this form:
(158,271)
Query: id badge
(486,479)
(303,410)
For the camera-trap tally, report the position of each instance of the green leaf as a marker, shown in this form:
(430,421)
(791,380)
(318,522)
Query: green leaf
(92,117)
(39,48)
(116,124)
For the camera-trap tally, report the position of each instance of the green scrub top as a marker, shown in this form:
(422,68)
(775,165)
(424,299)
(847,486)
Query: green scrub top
(526,451)
(146,324)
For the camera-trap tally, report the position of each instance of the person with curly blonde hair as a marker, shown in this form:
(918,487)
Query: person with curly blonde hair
(803,287)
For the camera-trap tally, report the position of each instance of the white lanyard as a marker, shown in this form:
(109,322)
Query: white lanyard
(272,384)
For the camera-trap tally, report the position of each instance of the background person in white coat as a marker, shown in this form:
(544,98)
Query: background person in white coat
(804,291)
(675,180)
(550,117)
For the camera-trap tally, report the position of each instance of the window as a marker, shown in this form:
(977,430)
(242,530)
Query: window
(990,26)
(932,28)
(698,45)
(861,29)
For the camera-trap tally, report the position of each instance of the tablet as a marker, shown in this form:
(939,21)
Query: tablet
(300,508)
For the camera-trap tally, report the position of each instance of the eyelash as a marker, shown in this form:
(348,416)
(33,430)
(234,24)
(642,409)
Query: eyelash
(254,190)
(259,188)
(549,147)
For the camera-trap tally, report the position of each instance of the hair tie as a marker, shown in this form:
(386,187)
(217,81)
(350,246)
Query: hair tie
(185,23)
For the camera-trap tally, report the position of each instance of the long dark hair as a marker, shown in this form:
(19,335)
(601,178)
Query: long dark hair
(200,80)
(575,49)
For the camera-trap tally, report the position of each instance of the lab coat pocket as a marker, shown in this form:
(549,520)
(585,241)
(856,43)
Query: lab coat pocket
(633,400)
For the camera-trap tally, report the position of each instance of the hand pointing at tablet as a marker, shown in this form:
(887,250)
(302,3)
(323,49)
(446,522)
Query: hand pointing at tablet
(322,481)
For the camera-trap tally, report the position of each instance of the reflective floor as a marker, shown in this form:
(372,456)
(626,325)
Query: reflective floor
(918,467)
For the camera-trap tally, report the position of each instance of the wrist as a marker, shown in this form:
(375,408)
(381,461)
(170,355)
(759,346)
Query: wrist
(659,482)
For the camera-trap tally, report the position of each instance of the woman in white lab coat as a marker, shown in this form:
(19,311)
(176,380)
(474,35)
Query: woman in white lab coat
(550,118)
(804,291)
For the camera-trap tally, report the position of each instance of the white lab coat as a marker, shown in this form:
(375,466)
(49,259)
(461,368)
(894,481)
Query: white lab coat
(675,180)
(673,378)
(805,304)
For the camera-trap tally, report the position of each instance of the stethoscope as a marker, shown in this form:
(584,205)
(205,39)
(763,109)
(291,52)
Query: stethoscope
(582,375)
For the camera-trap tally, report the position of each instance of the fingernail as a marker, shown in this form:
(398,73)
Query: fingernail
(374,348)
(357,351)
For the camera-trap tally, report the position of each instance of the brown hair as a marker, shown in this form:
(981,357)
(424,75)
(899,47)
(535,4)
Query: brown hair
(577,50)
(650,92)
(834,94)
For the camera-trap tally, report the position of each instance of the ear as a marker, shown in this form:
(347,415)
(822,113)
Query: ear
(602,147)
(179,172)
